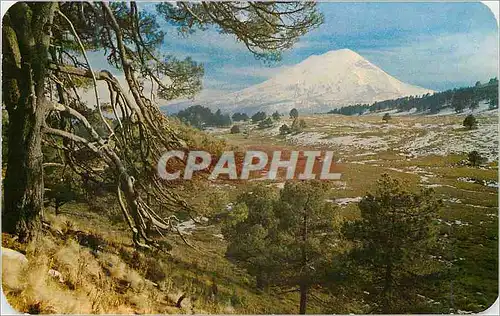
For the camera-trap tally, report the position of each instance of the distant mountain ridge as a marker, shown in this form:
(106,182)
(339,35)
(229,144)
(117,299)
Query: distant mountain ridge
(319,83)
(458,99)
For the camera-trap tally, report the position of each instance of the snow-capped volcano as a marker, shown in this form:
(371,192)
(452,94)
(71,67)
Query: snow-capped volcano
(319,83)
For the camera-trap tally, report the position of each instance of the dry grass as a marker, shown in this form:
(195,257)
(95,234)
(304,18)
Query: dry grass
(85,289)
(117,279)
(91,282)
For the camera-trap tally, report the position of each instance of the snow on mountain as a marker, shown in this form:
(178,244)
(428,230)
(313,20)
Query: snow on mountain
(319,83)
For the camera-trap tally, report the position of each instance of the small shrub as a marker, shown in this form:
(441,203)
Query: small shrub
(268,122)
(40,308)
(259,116)
(284,129)
(276,116)
(475,158)
(155,271)
(493,104)
(298,125)
(470,122)
(235,129)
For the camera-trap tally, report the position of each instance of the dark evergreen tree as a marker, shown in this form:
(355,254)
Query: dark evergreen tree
(44,47)
(276,116)
(237,117)
(474,104)
(200,116)
(475,158)
(470,122)
(195,115)
(286,241)
(259,116)
(392,242)
(298,125)
(493,103)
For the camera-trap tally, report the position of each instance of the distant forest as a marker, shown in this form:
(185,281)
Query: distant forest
(459,99)
(200,116)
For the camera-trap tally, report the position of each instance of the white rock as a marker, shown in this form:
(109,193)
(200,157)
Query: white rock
(56,274)
(14,255)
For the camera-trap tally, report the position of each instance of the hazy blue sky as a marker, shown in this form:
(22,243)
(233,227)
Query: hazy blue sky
(433,45)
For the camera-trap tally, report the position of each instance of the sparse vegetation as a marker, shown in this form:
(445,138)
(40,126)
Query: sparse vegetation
(266,123)
(284,129)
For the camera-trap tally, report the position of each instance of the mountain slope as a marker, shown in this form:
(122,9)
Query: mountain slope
(319,83)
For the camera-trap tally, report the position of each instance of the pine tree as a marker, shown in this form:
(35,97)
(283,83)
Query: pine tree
(393,240)
(240,117)
(259,116)
(474,104)
(475,158)
(298,125)
(284,241)
(470,122)
(276,116)
(44,48)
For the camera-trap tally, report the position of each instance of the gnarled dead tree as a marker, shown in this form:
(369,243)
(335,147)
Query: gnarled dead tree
(128,135)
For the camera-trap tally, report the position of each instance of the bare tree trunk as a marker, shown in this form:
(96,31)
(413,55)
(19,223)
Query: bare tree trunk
(26,33)
(303,299)
(386,303)
(303,285)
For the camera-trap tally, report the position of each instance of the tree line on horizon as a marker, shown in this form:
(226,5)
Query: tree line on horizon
(200,116)
(459,99)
